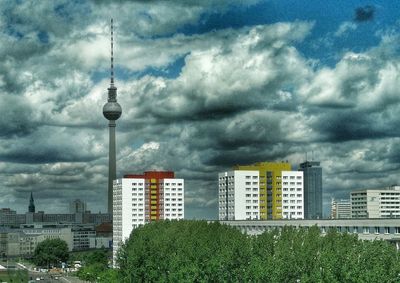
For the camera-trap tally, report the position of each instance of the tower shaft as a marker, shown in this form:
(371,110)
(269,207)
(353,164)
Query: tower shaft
(112,174)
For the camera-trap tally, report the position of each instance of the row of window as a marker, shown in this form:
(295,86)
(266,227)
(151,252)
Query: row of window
(249,207)
(292,207)
(292,177)
(292,195)
(292,189)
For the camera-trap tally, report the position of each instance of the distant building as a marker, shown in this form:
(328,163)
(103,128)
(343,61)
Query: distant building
(141,198)
(312,189)
(292,195)
(77,206)
(238,196)
(340,209)
(270,194)
(103,238)
(22,242)
(376,203)
(10,218)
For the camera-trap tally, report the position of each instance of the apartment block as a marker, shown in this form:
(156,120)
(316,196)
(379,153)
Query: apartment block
(376,203)
(238,195)
(270,195)
(292,195)
(141,198)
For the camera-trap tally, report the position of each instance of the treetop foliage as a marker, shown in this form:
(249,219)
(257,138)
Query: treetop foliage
(51,252)
(198,251)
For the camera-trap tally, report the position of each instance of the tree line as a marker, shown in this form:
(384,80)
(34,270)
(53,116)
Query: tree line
(198,251)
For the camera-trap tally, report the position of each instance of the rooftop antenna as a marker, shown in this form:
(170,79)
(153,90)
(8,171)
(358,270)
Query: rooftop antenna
(312,155)
(112,52)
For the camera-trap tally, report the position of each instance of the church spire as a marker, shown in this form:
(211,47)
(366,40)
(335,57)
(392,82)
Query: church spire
(31,204)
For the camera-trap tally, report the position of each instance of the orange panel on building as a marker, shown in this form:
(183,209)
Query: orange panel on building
(152,181)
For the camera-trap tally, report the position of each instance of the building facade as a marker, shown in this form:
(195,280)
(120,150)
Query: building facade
(312,172)
(238,195)
(141,198)
(22,242)
(376,203)
(292,195)
(77,206)
(340,209)
(270,184)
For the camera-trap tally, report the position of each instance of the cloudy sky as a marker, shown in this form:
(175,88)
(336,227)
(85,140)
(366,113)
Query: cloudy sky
(204,85)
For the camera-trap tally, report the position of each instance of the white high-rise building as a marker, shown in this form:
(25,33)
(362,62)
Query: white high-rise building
(238,195)
(292,195)
(140,199)
(376,203)
(340,209)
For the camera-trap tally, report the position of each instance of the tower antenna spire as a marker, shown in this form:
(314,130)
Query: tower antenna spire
(112,51)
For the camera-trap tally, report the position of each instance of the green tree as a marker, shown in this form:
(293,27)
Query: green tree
(95,263)
(198,251)
(185,251)
(50,252)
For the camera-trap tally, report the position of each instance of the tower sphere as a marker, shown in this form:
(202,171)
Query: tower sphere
(112,110)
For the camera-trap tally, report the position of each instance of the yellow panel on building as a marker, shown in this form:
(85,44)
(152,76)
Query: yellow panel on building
(270,197)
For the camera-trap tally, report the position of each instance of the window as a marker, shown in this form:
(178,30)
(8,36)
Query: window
(387,230)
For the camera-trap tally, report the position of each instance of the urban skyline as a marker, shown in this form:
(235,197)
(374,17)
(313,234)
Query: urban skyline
(203,87)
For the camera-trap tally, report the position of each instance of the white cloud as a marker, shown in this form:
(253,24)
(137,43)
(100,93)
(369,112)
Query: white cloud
(345,28)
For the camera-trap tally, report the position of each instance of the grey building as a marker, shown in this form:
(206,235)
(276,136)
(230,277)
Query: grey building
(77,206)
(312,189)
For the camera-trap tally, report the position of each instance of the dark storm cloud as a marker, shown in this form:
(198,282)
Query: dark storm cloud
(344,125)
(46,155)
(364,14)
(17,117)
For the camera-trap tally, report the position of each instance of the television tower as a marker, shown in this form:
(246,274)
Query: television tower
(111,111)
